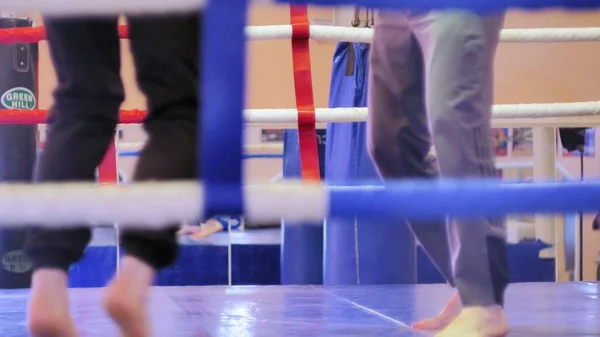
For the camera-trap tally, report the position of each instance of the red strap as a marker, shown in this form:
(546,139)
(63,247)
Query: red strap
(37,34)
(307,130)
(108,172)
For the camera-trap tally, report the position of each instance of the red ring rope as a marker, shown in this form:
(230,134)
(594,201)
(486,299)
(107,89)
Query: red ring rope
(37,34)
(307,130)
(38,116)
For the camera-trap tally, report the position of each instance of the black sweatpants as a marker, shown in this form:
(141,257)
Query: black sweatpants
(83,119)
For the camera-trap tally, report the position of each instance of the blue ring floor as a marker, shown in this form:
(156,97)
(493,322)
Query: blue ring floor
(534,309)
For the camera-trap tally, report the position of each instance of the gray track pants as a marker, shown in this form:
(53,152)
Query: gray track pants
(431,81)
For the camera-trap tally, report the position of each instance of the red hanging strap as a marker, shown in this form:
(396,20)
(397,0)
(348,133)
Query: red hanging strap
(108,171)
(307,129)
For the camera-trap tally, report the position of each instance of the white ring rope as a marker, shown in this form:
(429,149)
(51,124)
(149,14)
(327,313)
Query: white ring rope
(100,7)
(540,35)
(264,148)
(505,111)
(149,205)
(317,32)
(578,114)
(248,148)
(365,35)
(328,33)
(286,118)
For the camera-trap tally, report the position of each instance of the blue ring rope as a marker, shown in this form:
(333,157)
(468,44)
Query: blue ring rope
(263,156)
(430,200)
(473,5)
(220,127)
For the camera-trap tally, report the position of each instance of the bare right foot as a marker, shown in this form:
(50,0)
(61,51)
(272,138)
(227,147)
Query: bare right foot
(48,312)
(478,322)
(451,310)
(126,297)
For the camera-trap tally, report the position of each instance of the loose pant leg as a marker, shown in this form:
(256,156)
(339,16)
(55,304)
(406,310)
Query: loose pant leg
(81,125)
(459,49)
(398,134)
(165,51)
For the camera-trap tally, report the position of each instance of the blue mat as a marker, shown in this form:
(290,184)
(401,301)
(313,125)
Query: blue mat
(533,310)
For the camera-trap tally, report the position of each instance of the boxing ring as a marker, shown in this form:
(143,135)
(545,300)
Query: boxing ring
(536,309)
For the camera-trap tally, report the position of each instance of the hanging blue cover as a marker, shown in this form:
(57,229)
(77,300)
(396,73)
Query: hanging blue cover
(360,251)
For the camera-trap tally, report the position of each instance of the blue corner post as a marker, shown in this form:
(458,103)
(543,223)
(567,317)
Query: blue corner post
(222,81)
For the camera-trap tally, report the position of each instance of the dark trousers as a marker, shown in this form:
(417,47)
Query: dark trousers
(83,119)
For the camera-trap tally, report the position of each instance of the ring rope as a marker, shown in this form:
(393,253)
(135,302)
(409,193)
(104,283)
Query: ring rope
(503,111)
(307,129)
(260,148)
(160,204)
(79,8)
(345,34)
(334,115)
(365,35)
(478,6)
(37,34)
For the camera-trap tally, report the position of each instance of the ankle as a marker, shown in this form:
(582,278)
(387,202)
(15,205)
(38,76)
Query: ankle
(49,277)
(493,314)
(44,324)
(137,269)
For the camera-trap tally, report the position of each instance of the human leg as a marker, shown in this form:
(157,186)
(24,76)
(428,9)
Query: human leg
(165,51)
(459,49)
(398,133)
(81,125)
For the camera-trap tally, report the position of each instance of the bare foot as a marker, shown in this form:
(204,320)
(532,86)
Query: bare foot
(187,229)
(127,297)
(478,322)
(446,316)
(203,231)
(207,229)
(48,313)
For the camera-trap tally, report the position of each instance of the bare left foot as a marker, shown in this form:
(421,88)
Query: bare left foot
(48,312)
(127,297)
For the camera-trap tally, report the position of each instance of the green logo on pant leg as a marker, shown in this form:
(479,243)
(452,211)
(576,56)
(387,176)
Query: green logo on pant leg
(18,98)
(16,261)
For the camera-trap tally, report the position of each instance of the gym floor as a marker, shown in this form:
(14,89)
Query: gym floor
(534,309)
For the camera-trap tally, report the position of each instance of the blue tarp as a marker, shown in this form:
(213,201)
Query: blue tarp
(359,251)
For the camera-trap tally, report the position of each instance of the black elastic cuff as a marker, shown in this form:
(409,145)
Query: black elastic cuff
(158,249)
(51,261)
(499,269)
